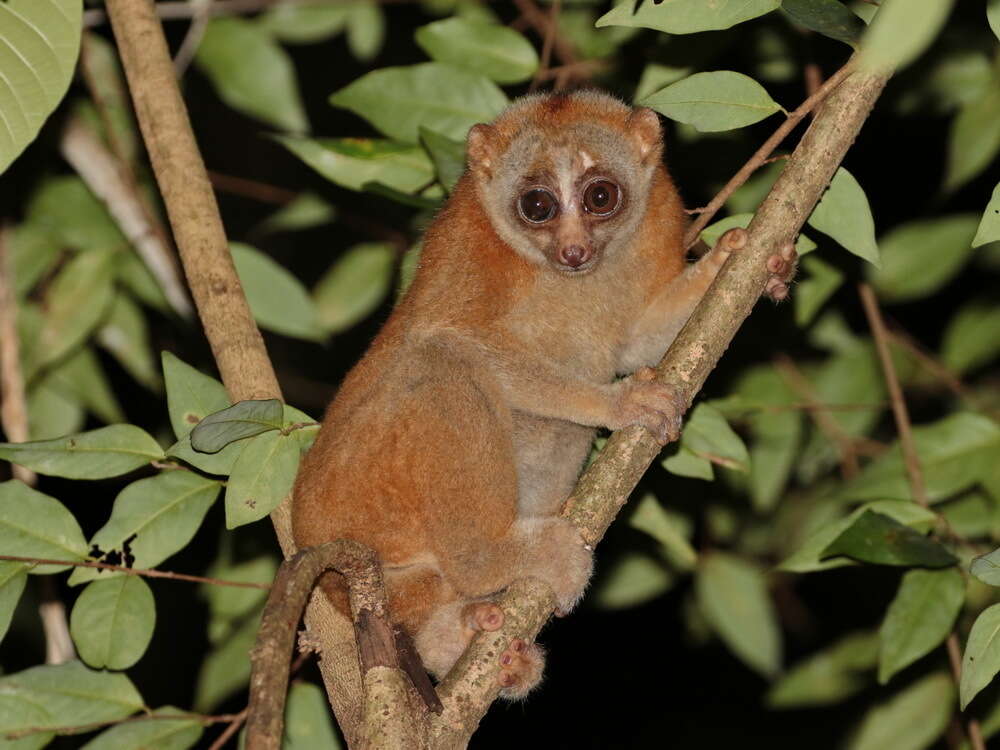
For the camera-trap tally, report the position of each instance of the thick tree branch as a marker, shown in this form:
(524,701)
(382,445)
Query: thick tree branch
(608,481)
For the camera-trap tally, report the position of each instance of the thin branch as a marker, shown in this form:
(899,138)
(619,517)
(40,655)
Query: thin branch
(550,36)
(760,156)
(545,27)
(234,726)
(144,572)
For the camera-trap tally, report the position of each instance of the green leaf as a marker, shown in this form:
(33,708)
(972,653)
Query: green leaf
(398,101)
(577,26)
(952,78)
(423,202)
(13,577)
(920,257)
(972,338)
(354,162)
(982,655)
(277,299)
(843,213)
(448,156)
(993,15)
(307,720)
(98,454)
(973,139)
(229,604)
(719,100)
(241,420)
(36,525)
(160,733)
(920,617)
(151,520)
(32,251)
(497,52)
(900,32)
(73,216)
(989,225)
(125,335)
(191,395)
(828,17)
(306,211)
(711,234)
(302,23)
(807,558)
(812,291)
(52,413)
(686,16)
(985,567)
(656,76)
(733,597)
(354,286)
(226,669)
(64,695)
(365,29)
(261,477)
(649,516)
(708,435)
(955,453)
(829,676)
(634,578)
(910,720)
(74,305)
(219,463)
(877,538)
(136,278)
(81,378)
(40,40)
(252,73)
(112,622)
(684,463)
(99,58)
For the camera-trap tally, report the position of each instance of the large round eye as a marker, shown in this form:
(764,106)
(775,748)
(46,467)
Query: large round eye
(601,197)
(538,205)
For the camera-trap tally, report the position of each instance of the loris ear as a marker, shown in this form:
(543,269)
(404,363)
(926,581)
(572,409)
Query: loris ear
(644,127)
(481,149)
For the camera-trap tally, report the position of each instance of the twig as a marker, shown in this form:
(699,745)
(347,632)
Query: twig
(757,160)
(951,381)
(550,36)
(195,33)
(545,26)
(228,732)
(145,572)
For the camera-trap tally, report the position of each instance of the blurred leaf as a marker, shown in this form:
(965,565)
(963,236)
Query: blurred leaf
(106,452)
(950,79)
(982,655)
(13,577)
(306,211)
(733,596)
(191,395)
(32,252)
(37,66)
(74,305)
(989,225)
(52,413)
(820,282)
(62,695)
(161,733)
(448,157)
(829,676)
(408,268)
(985,567)
(685,16)
(879,539)
(399,100)
(748,196)
(278,300)
(684,463)
(974,139)
(354,286)
(81,378)
(650,517)
(497,52)
(354,162)
(112,622)
(36,525)
(955,452)
(136,278)
(104,72)
(774,59)
(808,557)
(972,338)
(993,15)
(302,23)
(656,76)
(73,216)
(920,257)
(229,603)
(920,617)
(261,477)
(422,202)
(307,720)
(843,213)
(713,101)
(911,720)
(633,579)
(252,73)
(151,519)
(828,17)
(708,435)
(711,234)
(125,335)
(900,32)
(973,515)
(226,668)
(243,419)
(590,42)
(365,29)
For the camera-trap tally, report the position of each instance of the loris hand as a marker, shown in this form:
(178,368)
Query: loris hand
(781,264)
(639,399)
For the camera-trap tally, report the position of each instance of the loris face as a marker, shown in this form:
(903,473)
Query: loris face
(564,178)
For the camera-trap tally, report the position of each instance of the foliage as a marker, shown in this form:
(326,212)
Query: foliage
(783,526)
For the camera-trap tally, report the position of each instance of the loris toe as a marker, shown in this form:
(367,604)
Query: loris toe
(521,667)
(483,616)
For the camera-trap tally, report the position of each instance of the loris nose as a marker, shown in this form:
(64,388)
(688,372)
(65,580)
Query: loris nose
(574,256)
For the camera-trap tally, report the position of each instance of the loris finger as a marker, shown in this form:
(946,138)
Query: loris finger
(782,267)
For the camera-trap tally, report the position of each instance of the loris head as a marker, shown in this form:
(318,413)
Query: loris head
(564,178)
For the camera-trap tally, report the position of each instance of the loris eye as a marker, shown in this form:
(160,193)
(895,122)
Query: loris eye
(601,197)
(538,206)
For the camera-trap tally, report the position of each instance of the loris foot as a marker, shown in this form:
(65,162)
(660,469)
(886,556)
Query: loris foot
(483,616)
(656,406)
(782,268)
(521,667)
